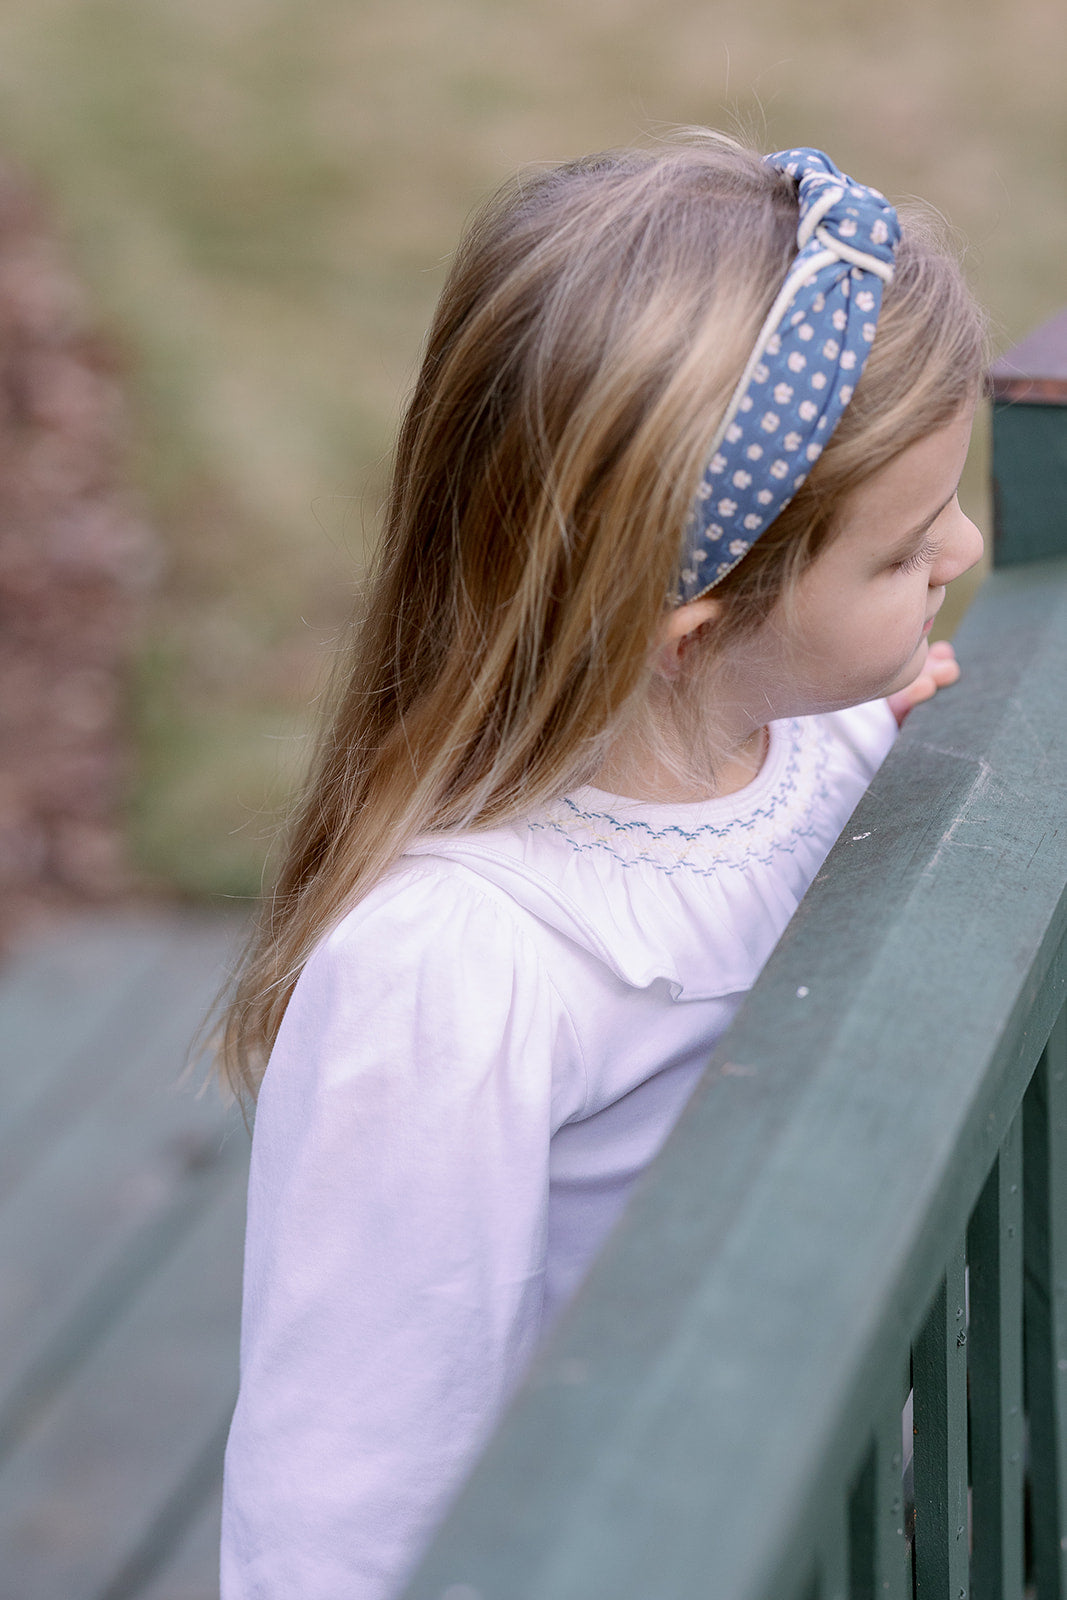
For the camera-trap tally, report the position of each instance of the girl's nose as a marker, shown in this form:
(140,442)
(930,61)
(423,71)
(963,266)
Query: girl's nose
(960,551)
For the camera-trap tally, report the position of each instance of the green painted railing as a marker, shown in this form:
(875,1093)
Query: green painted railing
(863,1211)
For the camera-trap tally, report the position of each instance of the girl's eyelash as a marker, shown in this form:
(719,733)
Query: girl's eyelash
(925,553)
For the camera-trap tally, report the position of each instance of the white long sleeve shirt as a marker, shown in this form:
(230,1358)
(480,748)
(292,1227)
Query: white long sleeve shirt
(475,1066)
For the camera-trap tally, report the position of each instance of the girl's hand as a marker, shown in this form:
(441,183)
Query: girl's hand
(941,669)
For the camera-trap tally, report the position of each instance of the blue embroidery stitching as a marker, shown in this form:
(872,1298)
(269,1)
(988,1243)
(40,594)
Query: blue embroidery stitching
(674,835)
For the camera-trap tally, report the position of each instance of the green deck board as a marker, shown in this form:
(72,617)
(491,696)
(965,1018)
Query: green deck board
(106,1478)
(111,1187)
(190,1570)
(55,996)
(120,1245)
(96,1022)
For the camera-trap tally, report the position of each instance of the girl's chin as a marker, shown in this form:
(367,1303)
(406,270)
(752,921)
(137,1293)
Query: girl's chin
(910,671)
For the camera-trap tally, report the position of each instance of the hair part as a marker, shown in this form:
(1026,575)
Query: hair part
(593,327)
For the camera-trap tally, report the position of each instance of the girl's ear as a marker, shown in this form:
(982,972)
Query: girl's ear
(678,628)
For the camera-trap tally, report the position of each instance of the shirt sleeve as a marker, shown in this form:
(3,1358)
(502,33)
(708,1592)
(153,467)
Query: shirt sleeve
(396,1242)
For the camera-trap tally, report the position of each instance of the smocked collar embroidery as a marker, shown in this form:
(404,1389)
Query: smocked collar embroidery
(768,817)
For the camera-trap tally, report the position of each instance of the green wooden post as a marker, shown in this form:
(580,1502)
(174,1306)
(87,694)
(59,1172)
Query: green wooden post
(1045,1200)
(940,1368)
(833,1558)
(879,1552)
(1029,387)
(995,1342)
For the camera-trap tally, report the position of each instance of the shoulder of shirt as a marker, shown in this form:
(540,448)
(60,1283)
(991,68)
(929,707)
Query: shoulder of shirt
(429,897)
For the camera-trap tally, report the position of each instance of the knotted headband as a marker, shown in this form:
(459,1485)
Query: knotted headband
(802,371)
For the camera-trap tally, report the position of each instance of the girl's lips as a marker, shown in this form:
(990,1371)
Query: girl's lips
(928,624)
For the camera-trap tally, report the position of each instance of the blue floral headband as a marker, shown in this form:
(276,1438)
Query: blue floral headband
(802,372)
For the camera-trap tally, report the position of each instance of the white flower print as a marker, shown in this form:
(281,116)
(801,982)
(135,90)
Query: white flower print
(847,228)
(705,491)
(813,452)
(754,452)
(792,441)
(783,393)
(764,497)
(761,372)
(774,344)
(779,468)
(718,462)
(746,403)
(752,522)
(868,332)
(831,349)
(848,360)
(741,480)
(865,300)
(733,433)
(808,410)
(726,508)
(738,547)
(818,380)
(845,393)
(840,320)
(770,421)
(796,362)
(805,331)
(879,232)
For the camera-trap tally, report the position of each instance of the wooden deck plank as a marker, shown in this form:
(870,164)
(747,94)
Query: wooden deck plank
(93,1012)
(121,1224)
(190,1572)
(56,994)
(110,1190)
(102,1486)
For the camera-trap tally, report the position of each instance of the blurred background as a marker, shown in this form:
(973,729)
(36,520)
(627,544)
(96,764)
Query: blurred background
(258,199)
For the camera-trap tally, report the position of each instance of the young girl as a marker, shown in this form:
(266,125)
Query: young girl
(673,511)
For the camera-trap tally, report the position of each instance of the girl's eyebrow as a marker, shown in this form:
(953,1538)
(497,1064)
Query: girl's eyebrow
(912,539)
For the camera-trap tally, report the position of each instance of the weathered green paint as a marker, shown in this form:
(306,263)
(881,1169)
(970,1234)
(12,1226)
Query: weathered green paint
(833,1557)
(1029,386)
(880,1568)
(995,1260)
(939,1366)
(1045,1199)
(1029,482)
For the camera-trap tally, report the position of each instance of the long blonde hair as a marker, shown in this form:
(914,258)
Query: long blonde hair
(593,326)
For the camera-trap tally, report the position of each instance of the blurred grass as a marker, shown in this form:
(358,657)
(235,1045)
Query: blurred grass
(262,195)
